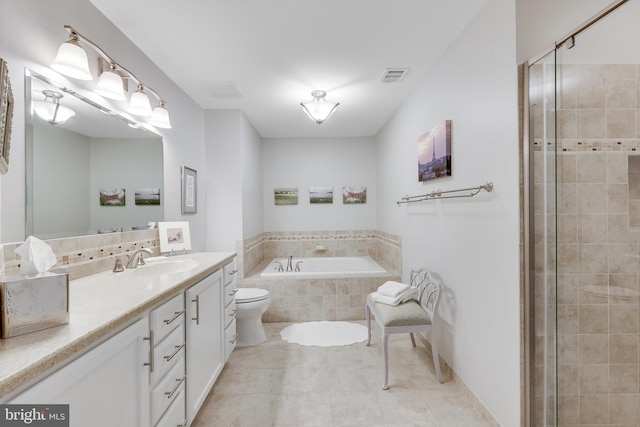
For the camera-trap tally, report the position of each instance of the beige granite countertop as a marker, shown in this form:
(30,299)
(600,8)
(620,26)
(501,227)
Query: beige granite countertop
(99,305)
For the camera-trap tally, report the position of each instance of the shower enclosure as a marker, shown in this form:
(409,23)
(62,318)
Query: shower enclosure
(584,225)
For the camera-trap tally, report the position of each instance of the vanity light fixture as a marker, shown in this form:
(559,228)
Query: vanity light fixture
(319,109)
(72,61)
(139,103)
(110,84)
(52,111)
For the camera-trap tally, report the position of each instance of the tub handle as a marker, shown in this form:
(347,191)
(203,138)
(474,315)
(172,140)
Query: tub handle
(298,265)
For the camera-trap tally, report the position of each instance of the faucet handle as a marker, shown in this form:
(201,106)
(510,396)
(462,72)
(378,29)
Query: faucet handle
(117,268)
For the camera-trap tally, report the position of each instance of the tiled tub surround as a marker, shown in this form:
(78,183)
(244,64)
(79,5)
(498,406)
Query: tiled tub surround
(334,297)
(86,255)
(598,303)
(377,244)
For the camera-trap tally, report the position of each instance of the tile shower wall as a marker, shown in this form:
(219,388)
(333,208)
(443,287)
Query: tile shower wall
(598,294)
(318,299)
(86,255)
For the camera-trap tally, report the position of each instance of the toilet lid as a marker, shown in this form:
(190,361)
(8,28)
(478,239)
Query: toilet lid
(251,295)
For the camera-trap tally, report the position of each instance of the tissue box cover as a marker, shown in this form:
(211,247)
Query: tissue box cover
(33,303)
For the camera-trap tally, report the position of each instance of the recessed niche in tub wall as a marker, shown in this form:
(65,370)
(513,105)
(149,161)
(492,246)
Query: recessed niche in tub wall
(633,173)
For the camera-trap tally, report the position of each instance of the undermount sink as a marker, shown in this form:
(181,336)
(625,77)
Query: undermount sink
(166,267)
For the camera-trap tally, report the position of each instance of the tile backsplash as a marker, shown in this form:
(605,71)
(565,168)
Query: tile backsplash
(85,255)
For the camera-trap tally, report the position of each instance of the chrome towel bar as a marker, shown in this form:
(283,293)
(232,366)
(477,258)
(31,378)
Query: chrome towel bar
(438,194)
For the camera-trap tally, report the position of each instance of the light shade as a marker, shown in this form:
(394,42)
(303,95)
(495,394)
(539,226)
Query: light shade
(72,61)
(160,117)
(52,111)
(139,104)
(319,109)
(110,85)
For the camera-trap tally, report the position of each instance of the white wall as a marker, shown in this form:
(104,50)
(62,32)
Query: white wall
(66,154)
(473,244)
(30,33)
(234,188)
(252,169)
(334,162)
(542,23)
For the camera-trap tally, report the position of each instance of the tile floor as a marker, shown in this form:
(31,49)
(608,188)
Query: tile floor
(287,385)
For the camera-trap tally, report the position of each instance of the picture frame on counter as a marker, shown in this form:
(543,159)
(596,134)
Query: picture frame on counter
(174,236)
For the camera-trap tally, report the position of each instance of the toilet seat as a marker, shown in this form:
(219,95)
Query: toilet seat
(246,295)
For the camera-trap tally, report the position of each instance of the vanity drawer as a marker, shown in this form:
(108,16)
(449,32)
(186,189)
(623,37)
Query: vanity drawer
(230,339)
(230,291)
(176,415)
(167,353)
(230,271)
(230,313)
(167,390)
(167,317)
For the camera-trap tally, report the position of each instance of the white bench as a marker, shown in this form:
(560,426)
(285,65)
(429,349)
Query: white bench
(412,316)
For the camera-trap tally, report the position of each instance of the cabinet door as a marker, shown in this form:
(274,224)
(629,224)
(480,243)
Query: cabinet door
(205,350)
(105,387)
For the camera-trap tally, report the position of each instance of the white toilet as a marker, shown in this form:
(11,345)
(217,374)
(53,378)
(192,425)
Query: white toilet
(250,303)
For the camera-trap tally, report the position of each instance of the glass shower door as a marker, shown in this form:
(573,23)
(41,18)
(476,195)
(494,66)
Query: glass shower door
(543,155)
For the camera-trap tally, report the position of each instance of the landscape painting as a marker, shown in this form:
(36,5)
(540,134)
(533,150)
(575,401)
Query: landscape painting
(112,197)
(285,196)
(354,195)
(147,196)
(320,194)
(434,152)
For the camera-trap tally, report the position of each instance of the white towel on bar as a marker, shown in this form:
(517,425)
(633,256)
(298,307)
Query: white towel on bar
(393,289)
(403,297)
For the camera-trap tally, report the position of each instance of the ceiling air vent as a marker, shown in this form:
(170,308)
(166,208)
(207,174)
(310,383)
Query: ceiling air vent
(393,75)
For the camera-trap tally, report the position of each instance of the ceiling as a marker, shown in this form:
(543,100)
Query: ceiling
(265,57)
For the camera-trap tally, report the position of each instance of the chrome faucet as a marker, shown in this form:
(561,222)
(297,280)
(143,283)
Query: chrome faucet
(289,263)
(278,266)
(137,258)
(298,265)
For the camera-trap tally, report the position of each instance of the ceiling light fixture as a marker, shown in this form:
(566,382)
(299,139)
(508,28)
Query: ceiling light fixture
(72,61)
(52,111)
(319,109)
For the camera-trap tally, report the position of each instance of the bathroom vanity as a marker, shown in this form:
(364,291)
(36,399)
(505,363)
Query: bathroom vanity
(143,347)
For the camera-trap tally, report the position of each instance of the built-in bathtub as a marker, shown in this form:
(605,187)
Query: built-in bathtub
(325,288)
(353,266)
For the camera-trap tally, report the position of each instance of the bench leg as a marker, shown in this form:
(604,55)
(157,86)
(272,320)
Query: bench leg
(367,311)
(386,360)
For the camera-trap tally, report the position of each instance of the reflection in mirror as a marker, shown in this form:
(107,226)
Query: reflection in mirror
(91,173)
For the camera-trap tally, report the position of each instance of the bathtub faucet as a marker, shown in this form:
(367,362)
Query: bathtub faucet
(279,266)
(298,265)
(289,263)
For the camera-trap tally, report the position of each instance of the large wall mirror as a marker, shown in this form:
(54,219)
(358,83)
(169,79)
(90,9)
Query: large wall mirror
(92,173)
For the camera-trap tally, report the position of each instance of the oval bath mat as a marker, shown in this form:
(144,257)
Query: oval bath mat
(324,333)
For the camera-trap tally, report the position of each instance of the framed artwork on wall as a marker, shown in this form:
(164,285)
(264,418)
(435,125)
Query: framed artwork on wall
(285,196)
(189,190)
(320,194)
(112,197)
(147,196)
(174,236)
(354,195)
(6,116)
(434,152)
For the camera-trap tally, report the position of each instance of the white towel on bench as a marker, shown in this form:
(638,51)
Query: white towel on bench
(403,297)
(393,289)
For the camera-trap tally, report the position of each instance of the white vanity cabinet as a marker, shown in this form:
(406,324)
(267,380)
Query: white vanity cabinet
(230,271)
(108,386)
(167,378)
(204,352)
